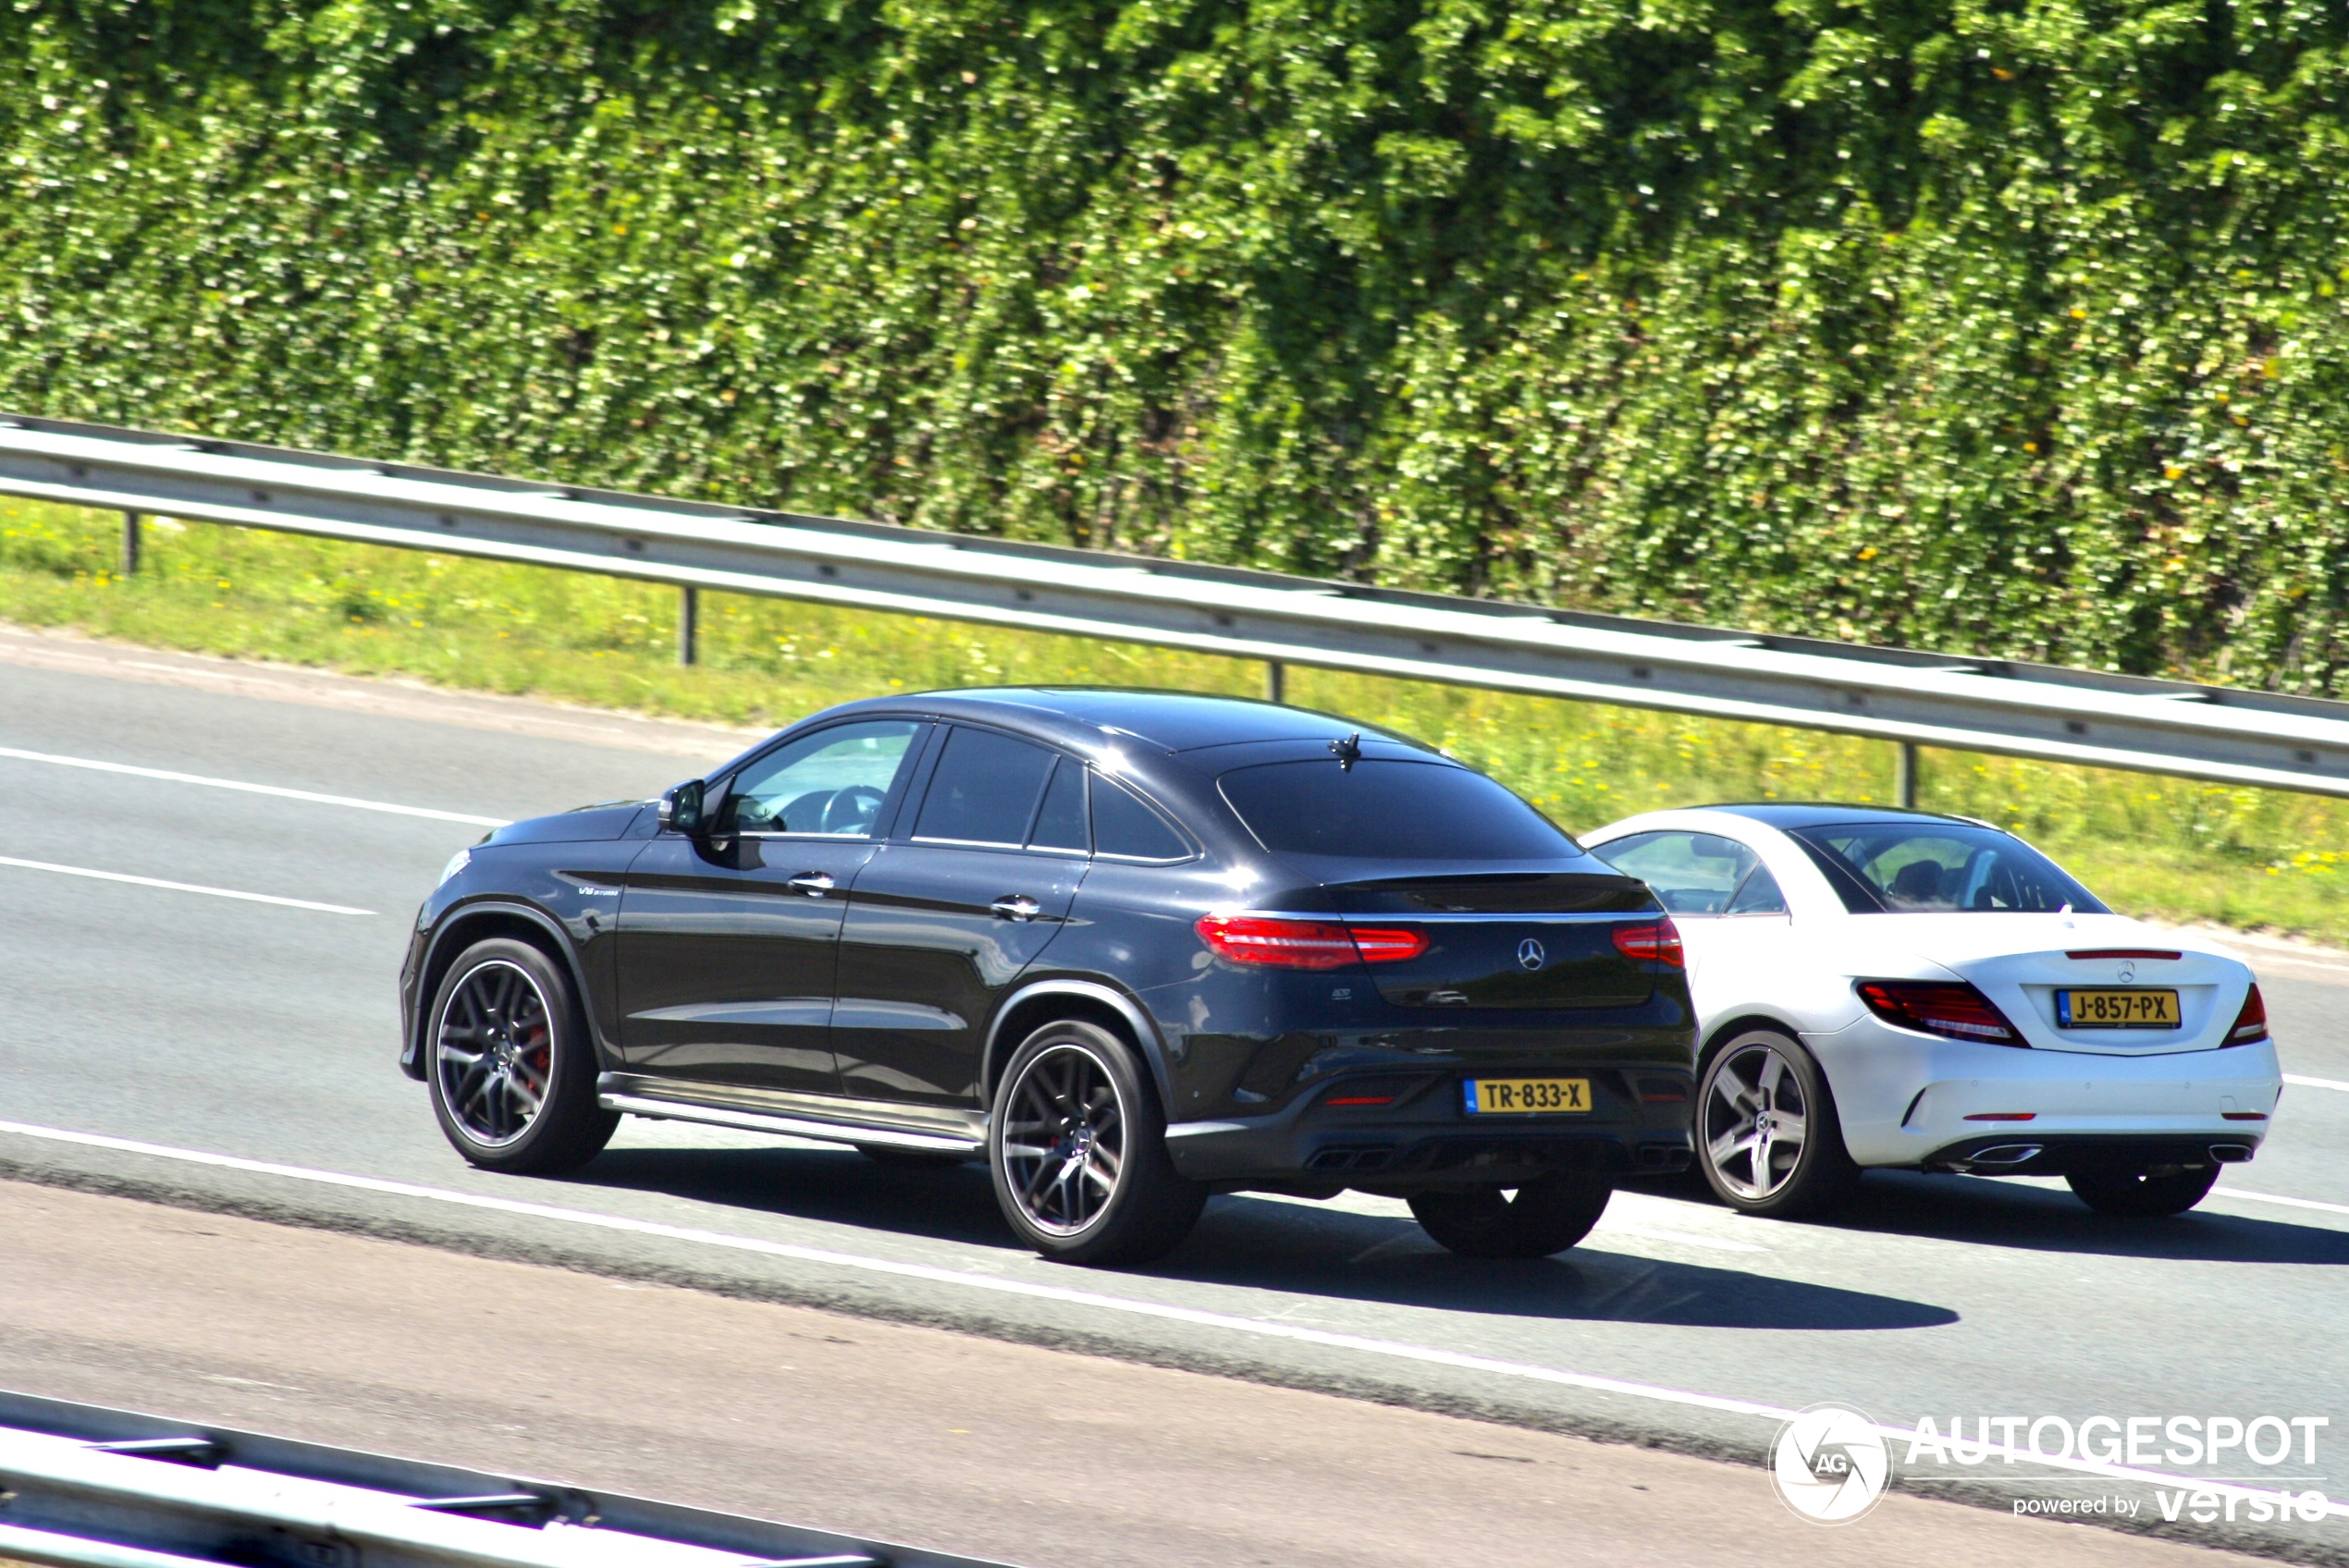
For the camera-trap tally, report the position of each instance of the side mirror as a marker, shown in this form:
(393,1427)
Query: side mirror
(680,809)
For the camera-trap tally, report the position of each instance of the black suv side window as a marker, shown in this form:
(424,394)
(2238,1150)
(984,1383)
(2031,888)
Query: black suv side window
(833,783)
(1126,828)
(1060,825)
(985,790)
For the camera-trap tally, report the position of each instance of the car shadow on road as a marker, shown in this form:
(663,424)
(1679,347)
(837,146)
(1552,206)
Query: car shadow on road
(2015,1213)
(1252,1242)
(947,1203)
(1264,1244)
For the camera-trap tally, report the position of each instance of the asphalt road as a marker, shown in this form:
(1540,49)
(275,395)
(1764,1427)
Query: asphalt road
(260,1037)
(1003,1452)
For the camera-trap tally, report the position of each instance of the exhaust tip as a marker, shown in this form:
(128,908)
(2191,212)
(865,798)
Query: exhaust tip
(2231,1154)
(2004,1153)
(1352,1157)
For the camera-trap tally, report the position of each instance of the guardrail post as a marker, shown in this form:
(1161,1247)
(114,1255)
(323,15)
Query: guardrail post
(688,620)
(1904,776)
(130,544)
(1275,681)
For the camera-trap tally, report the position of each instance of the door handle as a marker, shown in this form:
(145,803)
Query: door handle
(815,884)
(1017,906)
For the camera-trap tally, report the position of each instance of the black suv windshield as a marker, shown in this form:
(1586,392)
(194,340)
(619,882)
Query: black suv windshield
(1940,867)
(1389,810)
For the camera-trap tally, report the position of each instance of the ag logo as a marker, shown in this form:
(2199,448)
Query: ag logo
(1531,955)
(1830,1464)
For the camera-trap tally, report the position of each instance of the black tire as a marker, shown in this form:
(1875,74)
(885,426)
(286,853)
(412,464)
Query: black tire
(506,1027)
(1074,1101)
(1548,1215)
(2134,1194)
(1738,1092)
(910,1160)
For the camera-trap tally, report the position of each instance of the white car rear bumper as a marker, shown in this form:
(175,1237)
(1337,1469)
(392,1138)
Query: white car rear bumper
(1909,1099)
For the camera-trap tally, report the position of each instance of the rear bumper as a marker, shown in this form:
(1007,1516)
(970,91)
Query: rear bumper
(1907,1099)
(1426,1139)
(2060,1153)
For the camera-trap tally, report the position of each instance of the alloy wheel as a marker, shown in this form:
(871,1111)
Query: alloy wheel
(495,1053)
(1756,1121)
(1064,1140)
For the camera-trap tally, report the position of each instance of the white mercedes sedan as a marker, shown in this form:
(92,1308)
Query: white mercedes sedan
(1890,989)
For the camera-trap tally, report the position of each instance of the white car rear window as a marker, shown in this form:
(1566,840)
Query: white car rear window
(1940,868)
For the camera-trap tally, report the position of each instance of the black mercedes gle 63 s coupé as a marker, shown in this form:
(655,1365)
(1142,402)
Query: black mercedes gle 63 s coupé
(1130,948)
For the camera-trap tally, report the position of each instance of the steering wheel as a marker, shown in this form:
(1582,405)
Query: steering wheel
(852,809)
(790,817)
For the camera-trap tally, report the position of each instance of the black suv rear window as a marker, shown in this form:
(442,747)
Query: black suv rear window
(1379,810)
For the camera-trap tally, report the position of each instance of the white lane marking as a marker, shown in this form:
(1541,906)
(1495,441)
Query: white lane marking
(180,887)
(1261,1328)
(905,1271)
(2317,1083)
(2273,1197)
(168,776)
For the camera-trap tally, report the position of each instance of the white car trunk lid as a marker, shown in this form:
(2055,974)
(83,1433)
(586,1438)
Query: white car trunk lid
(2021,961)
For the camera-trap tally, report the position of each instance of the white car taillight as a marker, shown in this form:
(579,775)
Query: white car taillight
(2251,1024)
(1953,1010)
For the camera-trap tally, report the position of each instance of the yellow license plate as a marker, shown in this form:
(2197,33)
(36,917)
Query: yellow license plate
(1527,1096)
(2132,1009)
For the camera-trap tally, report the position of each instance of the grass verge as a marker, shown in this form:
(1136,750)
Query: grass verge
(2168,847)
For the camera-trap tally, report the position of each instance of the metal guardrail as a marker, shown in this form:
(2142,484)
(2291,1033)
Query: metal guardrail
(84,1486)
(2057,715)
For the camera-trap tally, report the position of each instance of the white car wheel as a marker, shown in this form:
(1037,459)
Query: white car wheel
(1766,1134)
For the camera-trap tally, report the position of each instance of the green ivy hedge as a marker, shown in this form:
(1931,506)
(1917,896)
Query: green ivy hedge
(2007,327)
